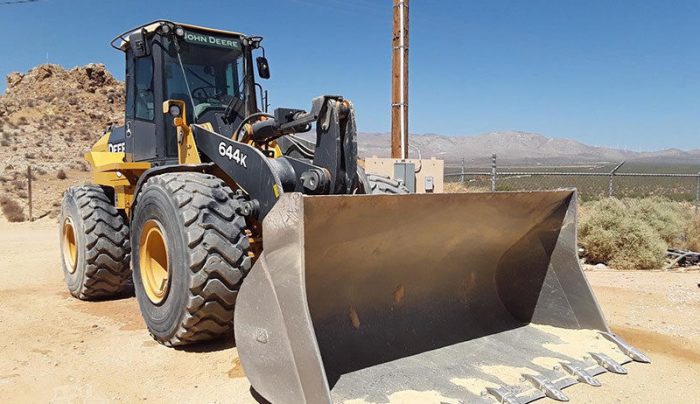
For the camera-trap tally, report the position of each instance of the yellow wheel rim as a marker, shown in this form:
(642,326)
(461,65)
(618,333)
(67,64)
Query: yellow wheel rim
(153,262)
(70,245)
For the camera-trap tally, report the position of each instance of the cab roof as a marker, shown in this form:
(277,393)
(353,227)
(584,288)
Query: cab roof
(150,27)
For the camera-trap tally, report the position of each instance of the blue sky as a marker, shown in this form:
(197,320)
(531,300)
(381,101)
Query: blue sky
(619,73)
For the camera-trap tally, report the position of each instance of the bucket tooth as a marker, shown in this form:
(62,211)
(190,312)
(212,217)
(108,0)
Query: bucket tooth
(503,395)
(635,354)
(581,375)
(547,387)
(608,363)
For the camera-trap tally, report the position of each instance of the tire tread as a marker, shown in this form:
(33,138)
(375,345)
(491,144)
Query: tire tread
(217,249)
(107,245)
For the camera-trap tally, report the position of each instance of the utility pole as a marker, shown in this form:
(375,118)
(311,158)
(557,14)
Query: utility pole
(399,81)
(29,192)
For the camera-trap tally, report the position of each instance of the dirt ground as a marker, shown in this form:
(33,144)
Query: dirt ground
(57,349)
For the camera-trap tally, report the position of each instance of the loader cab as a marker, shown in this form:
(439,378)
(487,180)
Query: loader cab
(210,70)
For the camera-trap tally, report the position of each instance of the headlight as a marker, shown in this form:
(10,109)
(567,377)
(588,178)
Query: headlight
(179,31)
(174,110)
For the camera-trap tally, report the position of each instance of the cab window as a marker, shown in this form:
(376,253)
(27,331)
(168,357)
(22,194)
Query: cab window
(143,89)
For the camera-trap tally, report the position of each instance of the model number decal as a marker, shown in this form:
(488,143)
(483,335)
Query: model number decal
(116,147)
(233,154)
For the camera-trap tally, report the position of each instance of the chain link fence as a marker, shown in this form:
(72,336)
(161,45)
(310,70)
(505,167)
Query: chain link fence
(635,179)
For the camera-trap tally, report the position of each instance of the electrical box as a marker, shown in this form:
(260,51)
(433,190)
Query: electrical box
(429,184)
(406,173)
(428,174)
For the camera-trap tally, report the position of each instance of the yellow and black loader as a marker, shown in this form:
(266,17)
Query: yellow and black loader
(222,218)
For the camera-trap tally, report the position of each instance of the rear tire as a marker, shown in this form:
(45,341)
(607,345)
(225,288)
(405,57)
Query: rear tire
(379,184)
(205,256)
(94,244)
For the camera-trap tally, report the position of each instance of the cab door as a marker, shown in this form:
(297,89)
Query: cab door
(141,108)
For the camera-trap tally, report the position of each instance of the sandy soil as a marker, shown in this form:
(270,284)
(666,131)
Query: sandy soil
(55,348)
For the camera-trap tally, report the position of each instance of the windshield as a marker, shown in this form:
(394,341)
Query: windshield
(214,67)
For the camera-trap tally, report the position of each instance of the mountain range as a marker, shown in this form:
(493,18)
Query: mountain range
(515,146)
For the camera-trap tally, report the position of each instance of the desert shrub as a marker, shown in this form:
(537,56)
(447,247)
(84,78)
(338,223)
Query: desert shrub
(692,234)
(61,174)
(666,217)
(612,235)
(11,209)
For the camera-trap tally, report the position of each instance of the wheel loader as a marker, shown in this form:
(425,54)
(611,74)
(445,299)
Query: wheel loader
(338,285)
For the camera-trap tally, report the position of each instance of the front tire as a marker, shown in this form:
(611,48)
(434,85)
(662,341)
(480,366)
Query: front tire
(94,239)
(190,256)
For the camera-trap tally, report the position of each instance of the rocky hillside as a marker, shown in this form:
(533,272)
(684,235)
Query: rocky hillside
(49,117)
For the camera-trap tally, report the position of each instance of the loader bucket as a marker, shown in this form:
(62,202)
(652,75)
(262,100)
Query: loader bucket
(425,298)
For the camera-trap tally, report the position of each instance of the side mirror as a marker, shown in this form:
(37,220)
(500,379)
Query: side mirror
(263,67)
(139,44)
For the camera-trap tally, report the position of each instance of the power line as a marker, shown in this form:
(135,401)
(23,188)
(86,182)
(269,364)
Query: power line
(11,2)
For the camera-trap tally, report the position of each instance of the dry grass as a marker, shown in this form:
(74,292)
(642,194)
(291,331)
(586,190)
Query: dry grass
(455,188)
(461,187)
(11,209)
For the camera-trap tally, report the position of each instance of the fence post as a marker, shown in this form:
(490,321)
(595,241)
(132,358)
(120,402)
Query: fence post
(612,174)
(493,172)
(697,195)
(29,192)
(462,177)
